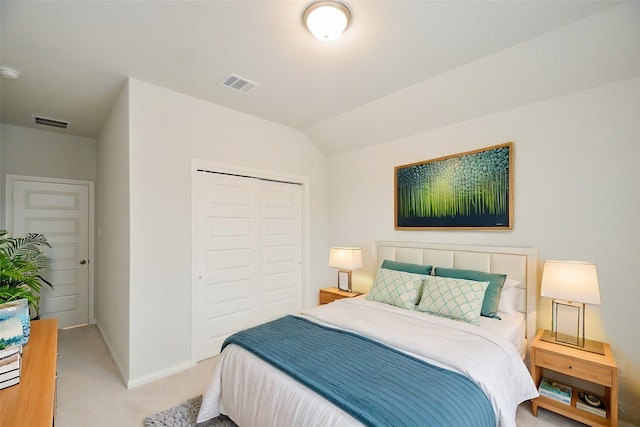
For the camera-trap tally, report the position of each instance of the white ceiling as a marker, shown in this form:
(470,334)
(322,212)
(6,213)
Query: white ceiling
(75,56)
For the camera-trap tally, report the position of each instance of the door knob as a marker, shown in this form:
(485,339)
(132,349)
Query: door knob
(83,262)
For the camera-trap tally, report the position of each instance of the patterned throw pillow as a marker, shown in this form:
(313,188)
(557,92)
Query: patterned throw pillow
(396,288)
(458,299)
(491,296)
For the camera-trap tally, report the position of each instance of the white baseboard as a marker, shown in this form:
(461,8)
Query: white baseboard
(116,361)
(160,374)
(131,383)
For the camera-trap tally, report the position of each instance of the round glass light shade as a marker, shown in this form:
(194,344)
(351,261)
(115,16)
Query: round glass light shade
(327,20)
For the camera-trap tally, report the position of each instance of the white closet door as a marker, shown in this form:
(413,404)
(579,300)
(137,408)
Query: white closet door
(248,249)
(228,271)
(281,247)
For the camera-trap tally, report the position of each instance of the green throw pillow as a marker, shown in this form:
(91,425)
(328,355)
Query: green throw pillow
(396,288)
(457,299)
(407,267)
(491,296)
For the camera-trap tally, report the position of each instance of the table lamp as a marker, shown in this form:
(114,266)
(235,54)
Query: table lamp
(345,260)
(571,285)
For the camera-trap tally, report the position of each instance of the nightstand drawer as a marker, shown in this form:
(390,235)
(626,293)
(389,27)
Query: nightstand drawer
(575,368)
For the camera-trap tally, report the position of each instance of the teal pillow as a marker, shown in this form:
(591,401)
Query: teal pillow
(407,267)
(491,296)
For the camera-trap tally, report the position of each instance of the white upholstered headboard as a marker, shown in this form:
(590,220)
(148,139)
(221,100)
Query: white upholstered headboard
(520,264)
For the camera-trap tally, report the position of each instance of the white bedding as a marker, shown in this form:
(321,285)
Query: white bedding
(253,393)
(512,327)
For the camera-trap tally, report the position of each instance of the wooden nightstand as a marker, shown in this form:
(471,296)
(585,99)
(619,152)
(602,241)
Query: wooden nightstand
(328,295)
(591,367)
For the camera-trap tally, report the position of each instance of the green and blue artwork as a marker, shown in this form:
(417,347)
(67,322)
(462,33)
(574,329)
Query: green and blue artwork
(467,190)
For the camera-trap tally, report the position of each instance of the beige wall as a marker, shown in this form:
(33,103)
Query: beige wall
(112,229)
(577,183)
(35,152)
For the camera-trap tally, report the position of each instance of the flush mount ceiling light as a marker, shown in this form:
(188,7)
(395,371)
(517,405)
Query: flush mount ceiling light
(327,19)
(9,73)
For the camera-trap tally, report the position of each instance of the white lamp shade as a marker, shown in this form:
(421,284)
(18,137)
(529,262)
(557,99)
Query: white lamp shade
(571,281)
(327,20)
(345,258)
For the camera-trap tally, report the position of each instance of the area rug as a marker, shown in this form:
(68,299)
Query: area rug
(185,415)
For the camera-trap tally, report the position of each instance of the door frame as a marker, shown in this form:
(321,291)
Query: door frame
(255,173)
(10,179)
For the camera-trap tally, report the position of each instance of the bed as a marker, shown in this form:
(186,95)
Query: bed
(312,386)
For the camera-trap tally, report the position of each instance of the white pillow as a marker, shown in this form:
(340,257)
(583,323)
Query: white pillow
(458,299)
(510,283)
(396,288)
(509,300)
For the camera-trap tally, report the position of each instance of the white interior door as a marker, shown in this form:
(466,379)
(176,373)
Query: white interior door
(61,213)
(248,246)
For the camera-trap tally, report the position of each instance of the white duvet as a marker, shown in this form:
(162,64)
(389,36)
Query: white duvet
(253,393)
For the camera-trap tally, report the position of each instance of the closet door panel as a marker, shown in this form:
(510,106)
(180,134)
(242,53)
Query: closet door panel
(281,247)
(248,250)
(228,266)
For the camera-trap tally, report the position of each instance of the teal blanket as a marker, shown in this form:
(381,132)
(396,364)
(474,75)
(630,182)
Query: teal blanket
(374,383)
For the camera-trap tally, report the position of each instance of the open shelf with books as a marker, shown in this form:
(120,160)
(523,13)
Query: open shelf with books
(555,390)
(573,411)
(591,403)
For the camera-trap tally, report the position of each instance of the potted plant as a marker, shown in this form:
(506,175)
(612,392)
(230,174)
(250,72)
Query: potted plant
(22,260)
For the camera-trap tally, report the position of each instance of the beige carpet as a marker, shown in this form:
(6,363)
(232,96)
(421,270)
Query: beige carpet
(91,393)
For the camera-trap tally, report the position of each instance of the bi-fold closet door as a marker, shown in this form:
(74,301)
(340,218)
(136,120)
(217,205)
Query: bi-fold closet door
(248,249)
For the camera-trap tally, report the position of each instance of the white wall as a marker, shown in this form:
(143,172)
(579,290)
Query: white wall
(112,228)
(35,152)
(599,49)
(167,131)
(577,183)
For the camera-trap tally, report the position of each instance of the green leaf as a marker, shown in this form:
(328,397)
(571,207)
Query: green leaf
(22,260)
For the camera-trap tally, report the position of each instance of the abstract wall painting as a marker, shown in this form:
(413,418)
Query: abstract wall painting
(472,190)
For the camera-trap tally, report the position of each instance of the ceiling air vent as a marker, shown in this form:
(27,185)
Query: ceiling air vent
(238,83)
(51,122)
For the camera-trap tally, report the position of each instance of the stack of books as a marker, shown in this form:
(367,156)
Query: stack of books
(10,362)
(591,403)
(556,391)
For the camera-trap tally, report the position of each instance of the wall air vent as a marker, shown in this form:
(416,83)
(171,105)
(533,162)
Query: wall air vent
(238,83)
(51,122)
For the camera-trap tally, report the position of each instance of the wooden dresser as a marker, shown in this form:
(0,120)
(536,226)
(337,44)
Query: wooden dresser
(32,401)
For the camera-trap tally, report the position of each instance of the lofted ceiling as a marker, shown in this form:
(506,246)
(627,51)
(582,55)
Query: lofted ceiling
(75,56)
